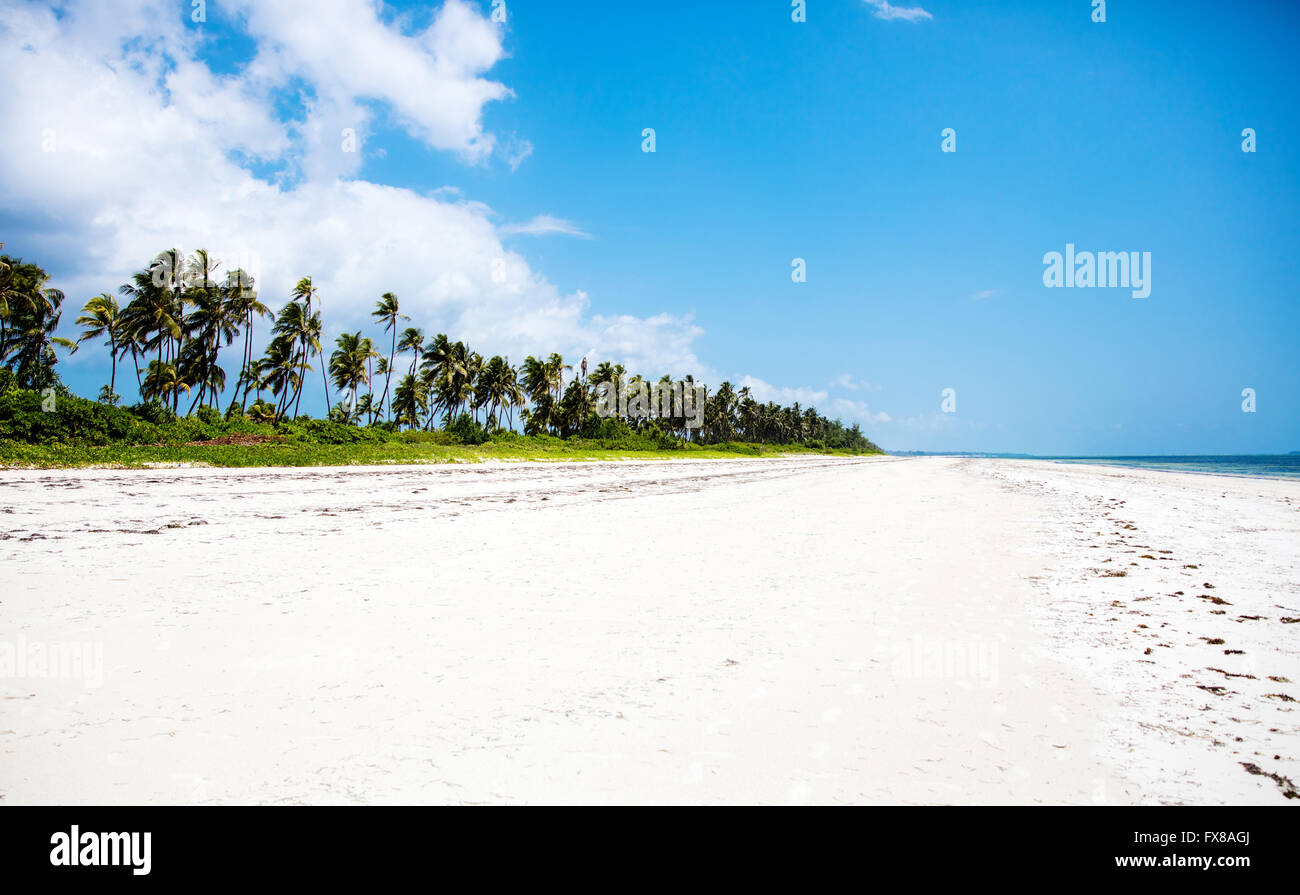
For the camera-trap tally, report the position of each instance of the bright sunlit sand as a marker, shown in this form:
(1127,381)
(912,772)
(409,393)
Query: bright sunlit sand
(800,630)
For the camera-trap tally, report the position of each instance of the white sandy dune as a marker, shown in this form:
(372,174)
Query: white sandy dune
(802,630)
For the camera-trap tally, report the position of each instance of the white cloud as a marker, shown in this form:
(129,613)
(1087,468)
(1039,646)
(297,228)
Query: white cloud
(986,294)
(888,12)
(431,80)
(545,224)
(764,392)
(846,380)
(855,411)
(152,151)
(515,150)
(836,408)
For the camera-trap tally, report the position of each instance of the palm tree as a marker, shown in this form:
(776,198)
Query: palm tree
(387,311)
(244,304)
(150,315)
(367,407)
(101,316)
(31,315)
(303,329)
(215,320)
(282,370)
(252,376)
(452,370)
(490,391)
(554,370)
(306,293)
(409,401)
(412,340)
(348,364)
(163,381)
(385,369)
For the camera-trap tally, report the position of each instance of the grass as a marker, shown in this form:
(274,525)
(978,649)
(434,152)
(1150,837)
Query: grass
(16,455)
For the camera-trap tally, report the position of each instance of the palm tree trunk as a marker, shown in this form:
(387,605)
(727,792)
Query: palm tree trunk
(326,380)
(392,356)
(302,376)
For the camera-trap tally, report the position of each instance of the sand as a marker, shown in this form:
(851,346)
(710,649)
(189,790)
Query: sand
(802,630)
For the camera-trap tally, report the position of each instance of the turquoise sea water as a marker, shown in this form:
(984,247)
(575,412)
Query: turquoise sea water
(1272,465)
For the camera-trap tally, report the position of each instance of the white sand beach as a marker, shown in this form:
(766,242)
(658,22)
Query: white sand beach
(802,630)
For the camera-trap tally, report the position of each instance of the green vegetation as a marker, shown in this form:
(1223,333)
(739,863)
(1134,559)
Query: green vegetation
(423,402)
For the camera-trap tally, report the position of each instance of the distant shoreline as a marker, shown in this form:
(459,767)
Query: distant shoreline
(1271,466)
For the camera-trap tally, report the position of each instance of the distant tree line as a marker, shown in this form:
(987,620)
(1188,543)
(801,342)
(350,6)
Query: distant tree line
(178,320)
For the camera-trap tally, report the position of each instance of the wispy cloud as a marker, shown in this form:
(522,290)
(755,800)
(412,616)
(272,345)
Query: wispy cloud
(846,380)
(857,411)
(986,294)
(890,13)
(544,225)
(514,150)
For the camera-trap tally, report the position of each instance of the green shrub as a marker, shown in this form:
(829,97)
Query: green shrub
(305,430)
(467,430)
(73,420)
(419,436)
(155,412)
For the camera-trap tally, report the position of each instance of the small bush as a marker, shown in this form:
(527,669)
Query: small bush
(419,436)
(154,412)
(467,430)
(305,430)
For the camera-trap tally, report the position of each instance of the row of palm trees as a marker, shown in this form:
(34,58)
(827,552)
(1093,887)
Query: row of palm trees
(180,316)
(29,315)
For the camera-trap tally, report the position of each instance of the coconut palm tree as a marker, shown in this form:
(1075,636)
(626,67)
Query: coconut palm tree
(412,340)
(307,293)
(388,312)
(348,364)
(150,316)
(409,401)
(283,370)
(101,316)
(31,315)
(244,305)
(253,377)
(303,329)
(163,381)
(215,321)
(490,389)
(554,371)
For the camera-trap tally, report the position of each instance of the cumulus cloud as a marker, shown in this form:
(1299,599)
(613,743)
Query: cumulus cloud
(432,80)
(117,141)
(884,10)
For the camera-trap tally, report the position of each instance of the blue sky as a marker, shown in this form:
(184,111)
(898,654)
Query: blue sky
(775,140)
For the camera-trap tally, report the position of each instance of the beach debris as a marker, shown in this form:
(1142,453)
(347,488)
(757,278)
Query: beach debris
(1289,789)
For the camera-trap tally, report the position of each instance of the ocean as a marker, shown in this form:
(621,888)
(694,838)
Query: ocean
(1286,466)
